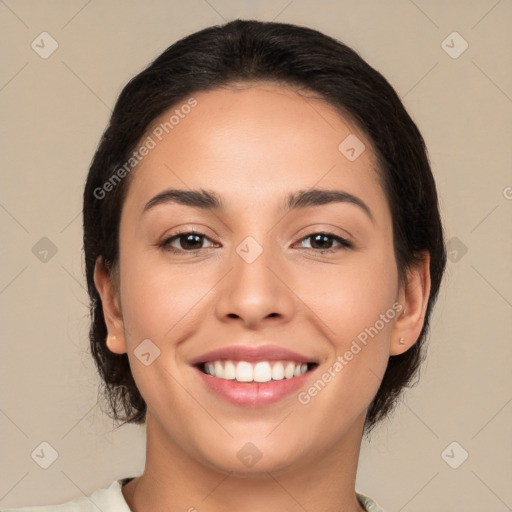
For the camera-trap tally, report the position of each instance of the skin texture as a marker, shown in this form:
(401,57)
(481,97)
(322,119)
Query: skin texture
(253,145)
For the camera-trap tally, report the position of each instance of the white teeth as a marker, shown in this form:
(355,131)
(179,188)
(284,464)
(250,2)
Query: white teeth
(278,371)
(219,370)
(289,370)
(262,371)
(229,371)
(243,372)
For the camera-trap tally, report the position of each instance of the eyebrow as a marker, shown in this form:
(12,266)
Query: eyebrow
(209,200)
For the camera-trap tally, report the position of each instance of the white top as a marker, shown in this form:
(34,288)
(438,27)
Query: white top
(111,499)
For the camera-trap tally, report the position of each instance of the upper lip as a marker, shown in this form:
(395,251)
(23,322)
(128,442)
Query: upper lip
(251,353)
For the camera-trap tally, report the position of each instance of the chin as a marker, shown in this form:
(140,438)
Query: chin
(251,461)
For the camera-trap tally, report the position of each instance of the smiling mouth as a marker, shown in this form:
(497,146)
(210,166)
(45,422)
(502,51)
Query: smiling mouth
(255,371)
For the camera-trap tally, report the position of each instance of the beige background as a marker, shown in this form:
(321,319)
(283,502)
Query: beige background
(53,113)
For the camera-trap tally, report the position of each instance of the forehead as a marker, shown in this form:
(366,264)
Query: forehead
(254,142)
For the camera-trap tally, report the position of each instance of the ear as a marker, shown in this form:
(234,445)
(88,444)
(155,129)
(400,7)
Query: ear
(413,297)
(108,291)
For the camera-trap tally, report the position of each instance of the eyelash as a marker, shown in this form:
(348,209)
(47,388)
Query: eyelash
(165,245)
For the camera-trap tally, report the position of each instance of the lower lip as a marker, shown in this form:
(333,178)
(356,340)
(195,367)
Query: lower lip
(253,394)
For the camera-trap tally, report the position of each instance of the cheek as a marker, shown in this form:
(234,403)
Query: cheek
(356,306)
(154,294)
(158,304)
(351,297)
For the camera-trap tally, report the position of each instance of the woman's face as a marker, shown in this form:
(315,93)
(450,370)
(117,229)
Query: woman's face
(257,282)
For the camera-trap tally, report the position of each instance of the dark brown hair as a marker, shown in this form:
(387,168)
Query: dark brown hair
(248,51)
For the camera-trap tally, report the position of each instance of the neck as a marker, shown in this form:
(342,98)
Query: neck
(175,480)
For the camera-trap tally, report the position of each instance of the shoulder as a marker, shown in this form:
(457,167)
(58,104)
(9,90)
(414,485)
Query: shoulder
(368,504)
(108,499)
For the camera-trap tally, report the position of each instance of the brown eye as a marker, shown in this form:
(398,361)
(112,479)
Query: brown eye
(186,241)
(323,242)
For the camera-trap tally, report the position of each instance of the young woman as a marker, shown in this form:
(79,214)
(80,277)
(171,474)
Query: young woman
(263,251)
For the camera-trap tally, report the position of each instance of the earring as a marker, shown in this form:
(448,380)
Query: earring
(402,341)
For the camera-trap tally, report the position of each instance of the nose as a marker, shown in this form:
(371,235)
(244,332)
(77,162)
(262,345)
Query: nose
(255,293)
